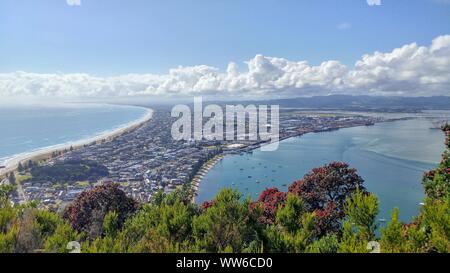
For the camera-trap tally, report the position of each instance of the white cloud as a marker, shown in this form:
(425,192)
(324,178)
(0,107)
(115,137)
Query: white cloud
(374,2)
(73,2)
(410,70)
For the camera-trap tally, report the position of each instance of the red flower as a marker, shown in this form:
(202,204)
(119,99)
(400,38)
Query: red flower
(269,200)
(325,189)
(207,204)
(91,206)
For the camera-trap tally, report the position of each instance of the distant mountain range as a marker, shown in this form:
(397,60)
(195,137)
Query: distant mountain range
(362,102)
(345,102)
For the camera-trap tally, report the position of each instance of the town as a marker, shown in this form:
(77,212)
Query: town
(148,159)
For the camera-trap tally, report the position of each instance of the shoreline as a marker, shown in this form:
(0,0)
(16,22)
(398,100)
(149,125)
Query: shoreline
(45,153)
(198,178)
(207,166)
(195,182)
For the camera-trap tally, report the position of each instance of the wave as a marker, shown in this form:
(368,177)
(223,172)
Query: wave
(400,161)
(10,161)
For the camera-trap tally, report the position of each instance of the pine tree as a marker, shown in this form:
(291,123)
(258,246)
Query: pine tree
(20,167)
(391,236)
(362,209)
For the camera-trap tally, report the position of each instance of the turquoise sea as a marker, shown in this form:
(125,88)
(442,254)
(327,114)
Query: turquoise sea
(28,128)
(390,156)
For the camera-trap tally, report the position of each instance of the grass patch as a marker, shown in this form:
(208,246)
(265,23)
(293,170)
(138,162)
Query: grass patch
(20,178)
(82,183)
(125,184)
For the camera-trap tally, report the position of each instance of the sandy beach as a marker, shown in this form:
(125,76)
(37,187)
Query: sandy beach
(46,152)
(202,172)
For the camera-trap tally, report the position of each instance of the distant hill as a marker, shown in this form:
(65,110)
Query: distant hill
(363,102)
(345,102)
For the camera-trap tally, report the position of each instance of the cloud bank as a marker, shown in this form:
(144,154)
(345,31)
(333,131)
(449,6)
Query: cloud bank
(410,70)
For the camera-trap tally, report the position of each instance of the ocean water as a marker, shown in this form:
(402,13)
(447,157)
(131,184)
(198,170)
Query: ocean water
(25,129)
(391,157)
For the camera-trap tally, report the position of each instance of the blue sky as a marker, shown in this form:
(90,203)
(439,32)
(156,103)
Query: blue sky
(113,37)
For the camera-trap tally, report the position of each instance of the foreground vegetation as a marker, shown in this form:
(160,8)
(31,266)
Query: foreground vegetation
(327,211)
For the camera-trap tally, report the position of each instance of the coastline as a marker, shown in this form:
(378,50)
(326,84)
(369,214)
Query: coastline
(45,153)
(198,178)
(404,191)
(195,183)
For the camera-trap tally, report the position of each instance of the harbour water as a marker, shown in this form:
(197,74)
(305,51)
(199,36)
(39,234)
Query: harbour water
(26,129)
(390,156)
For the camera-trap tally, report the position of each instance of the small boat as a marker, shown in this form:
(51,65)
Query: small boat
(382,220)
(422,204)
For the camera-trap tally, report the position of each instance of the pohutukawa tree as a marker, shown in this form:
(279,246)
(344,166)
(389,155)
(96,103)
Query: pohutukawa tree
(437,182)
(324,191)
(87,212)
(269,201)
